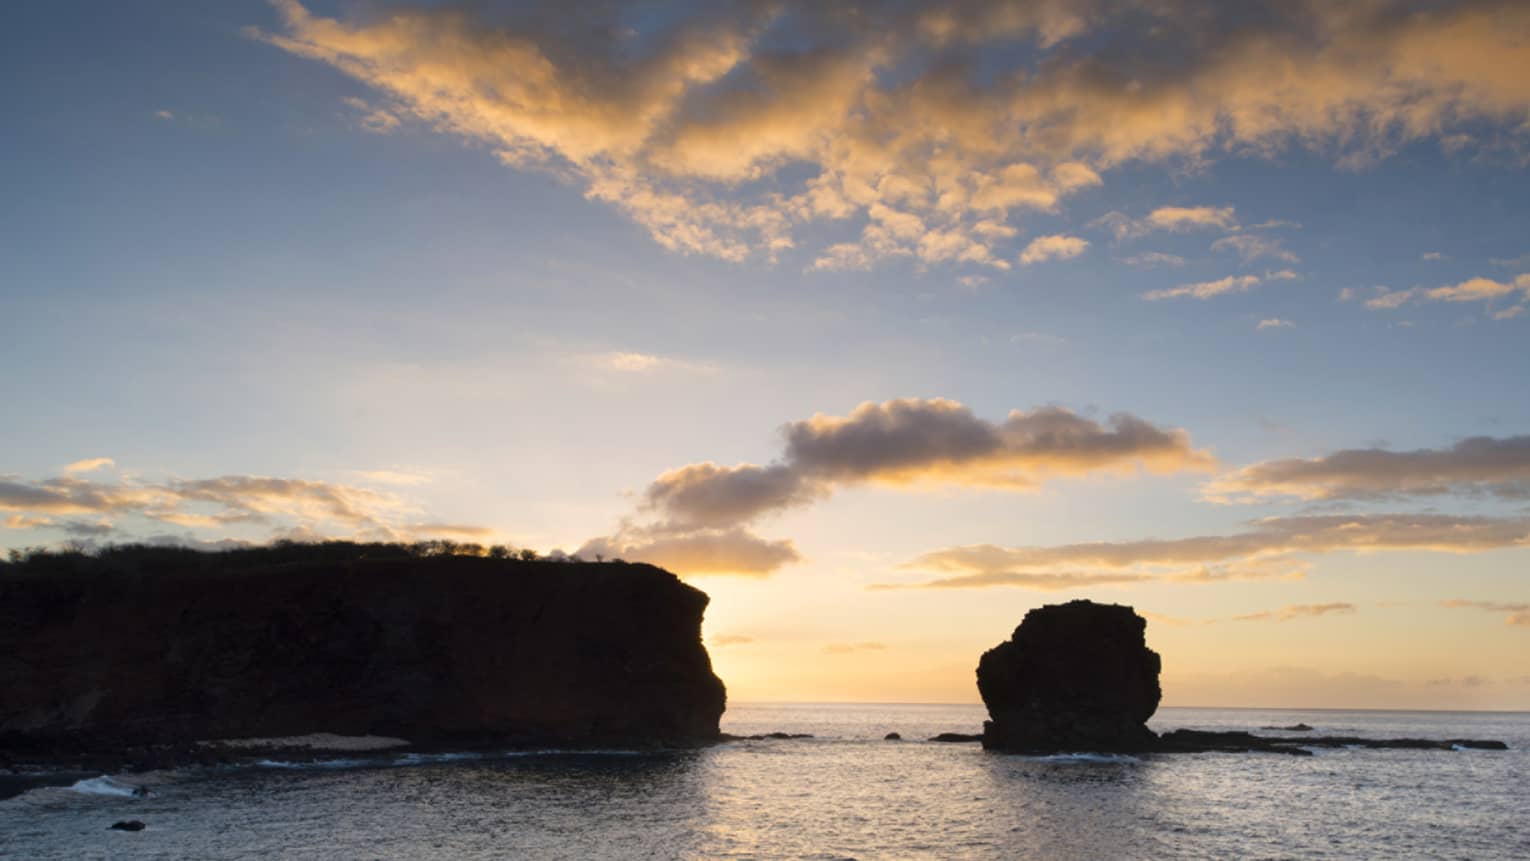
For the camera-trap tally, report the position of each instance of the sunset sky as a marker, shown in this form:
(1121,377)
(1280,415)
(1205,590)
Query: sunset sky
(882,323)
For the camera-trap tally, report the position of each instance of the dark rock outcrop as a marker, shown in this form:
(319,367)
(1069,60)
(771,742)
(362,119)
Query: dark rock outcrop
(1073,677)
(450,649)
(127,825)
(955,737)
(892,736)
(1204,741)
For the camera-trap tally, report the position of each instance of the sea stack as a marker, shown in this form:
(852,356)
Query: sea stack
(1073,677)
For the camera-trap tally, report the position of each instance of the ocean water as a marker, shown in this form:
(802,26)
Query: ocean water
(844,794)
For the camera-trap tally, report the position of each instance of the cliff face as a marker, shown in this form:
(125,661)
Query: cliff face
(423,648)
(1073,677)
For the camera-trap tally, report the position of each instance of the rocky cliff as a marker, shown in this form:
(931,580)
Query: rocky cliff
(212,646)
(1076,676)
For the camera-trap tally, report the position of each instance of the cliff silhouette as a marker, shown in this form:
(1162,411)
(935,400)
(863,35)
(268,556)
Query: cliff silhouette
(431,643)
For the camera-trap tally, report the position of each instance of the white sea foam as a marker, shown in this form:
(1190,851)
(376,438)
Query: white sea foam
(573,752)
(1117,758)
(317,763)
(103,785)
(427,758)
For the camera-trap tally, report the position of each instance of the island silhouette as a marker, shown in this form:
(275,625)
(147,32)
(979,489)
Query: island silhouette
(138,656)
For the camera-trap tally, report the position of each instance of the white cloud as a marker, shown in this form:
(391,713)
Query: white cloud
(1155,258)
(1251,247)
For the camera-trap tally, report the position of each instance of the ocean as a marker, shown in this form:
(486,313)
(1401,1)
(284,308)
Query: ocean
(846,793)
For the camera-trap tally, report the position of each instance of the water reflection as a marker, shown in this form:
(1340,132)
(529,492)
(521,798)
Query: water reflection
(1061,807)
(846,794)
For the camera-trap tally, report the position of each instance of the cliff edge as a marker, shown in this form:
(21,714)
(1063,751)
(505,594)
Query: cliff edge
(177,646)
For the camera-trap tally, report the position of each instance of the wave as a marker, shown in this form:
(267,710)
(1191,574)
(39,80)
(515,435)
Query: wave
(429,758)
(1116,758)
(574,752)
(315,763)
(104,785)
(405,760)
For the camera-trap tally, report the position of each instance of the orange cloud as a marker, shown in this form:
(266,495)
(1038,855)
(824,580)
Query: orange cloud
(697,551)
(1486,290)
(828,110)
(1271,548)
(1297,611)
(1205,289)
(1517,614)
(1056,247)
(89,465)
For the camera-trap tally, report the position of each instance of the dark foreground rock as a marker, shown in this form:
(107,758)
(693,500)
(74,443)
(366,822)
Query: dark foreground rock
(892,736)
(1073,677)
(127,825)
(1200,741)
(150,655)
(955,737)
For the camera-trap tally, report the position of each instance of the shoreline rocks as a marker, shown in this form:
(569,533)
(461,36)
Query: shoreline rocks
(127,825)
(956,737)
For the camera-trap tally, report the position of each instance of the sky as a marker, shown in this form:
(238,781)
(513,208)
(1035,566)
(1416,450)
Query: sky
(882,323)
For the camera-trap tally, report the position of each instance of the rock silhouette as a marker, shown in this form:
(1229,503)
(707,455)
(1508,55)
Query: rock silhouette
(173,646)
(1202,741)
(127,825)
(1073,677)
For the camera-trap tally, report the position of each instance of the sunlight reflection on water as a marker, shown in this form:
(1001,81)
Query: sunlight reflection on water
(845,794)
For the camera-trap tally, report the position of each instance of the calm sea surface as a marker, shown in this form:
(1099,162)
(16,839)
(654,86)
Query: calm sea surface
(845,794)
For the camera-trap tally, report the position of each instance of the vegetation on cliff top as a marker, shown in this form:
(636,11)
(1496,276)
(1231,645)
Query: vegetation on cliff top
(157,558)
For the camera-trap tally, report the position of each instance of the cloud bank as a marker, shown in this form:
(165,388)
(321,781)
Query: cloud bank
(705,508)
(1273,547)
(1482,465)
(288,506)
(924,129)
